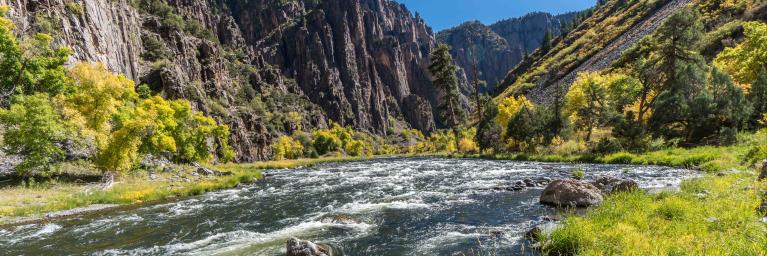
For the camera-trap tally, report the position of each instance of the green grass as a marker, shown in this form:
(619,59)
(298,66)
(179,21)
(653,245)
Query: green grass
(713,215)
(709,216)
(49,197)
(34,201)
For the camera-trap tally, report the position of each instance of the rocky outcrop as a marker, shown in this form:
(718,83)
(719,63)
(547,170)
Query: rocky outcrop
(296,247)
(355,62)
(500,46)
(362,61)
(611,184)
(571,193)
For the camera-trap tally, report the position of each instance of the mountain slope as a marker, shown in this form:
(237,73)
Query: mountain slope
(501,46)
(608,22)
(264,67)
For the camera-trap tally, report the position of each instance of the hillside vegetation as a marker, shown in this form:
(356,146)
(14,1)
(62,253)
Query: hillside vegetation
(690,93)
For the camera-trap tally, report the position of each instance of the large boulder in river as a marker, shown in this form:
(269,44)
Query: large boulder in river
(571,193)
(297,247)
(612,184)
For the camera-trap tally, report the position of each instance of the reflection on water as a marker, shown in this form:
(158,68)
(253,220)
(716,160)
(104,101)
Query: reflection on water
(426,206)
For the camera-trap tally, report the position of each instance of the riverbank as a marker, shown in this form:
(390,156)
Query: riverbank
(717,214)
(54,199)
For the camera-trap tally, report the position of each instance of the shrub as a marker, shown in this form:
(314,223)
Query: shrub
(76,8)
(35,131)
(578,174)
(356,148)
(325,142)
(607,146)
(287,148)
(466,145)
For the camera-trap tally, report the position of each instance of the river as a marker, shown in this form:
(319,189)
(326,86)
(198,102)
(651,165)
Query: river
(411,206)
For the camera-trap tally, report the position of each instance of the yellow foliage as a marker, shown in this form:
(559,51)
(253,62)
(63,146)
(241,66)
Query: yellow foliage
(508,108)
(287,148)
(744,61)
(466,145)
(101,94)
(588,90)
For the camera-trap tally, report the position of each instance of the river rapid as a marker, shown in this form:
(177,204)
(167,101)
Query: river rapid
(412,206)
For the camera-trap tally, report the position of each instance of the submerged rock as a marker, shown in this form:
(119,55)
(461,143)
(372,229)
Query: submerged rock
(297,247)
(339,219)
(571,193)
(611,184)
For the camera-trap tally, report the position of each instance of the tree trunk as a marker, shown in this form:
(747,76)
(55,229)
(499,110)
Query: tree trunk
(107,180)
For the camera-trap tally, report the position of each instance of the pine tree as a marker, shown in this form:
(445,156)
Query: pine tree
(679,73)
(445,80)
(758,96)
(548,37)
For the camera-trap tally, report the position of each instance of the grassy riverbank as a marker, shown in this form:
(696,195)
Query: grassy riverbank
(33,200)
(713,215)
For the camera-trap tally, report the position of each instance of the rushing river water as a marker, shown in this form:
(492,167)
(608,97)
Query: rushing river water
(427,206)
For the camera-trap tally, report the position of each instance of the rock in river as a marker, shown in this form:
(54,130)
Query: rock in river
(296,247)
(611,184)
(571,193)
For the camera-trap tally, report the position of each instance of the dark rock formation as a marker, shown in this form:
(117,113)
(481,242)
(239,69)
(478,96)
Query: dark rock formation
(355,62)
(571,193)
(610,184)
(501,46)
(296,247)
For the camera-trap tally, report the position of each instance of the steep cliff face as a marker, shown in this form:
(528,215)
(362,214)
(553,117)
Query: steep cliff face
(361,63)
(500,46)
(349,56)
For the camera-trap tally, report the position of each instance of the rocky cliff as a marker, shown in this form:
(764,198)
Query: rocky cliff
(264,67)
(501,46)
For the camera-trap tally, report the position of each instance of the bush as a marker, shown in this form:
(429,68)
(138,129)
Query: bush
(578,174)
(325,142)
(76,8)
(35,131)
(287,148)
(356,148)
(466,145)
(607,146)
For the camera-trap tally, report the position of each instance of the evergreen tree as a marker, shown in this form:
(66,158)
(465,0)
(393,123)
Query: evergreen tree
(548,37)
(680,75)
(758,96)
(445,80)
(488,132)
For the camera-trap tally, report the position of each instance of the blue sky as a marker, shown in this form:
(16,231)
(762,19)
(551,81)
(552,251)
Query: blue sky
(442,14)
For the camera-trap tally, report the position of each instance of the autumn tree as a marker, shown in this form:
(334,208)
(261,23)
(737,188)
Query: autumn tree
(747,59)
(587,102)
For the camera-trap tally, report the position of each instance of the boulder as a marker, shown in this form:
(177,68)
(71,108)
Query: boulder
(570,193)
(763,170)
(543,230)
(297,247)
(611,184)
